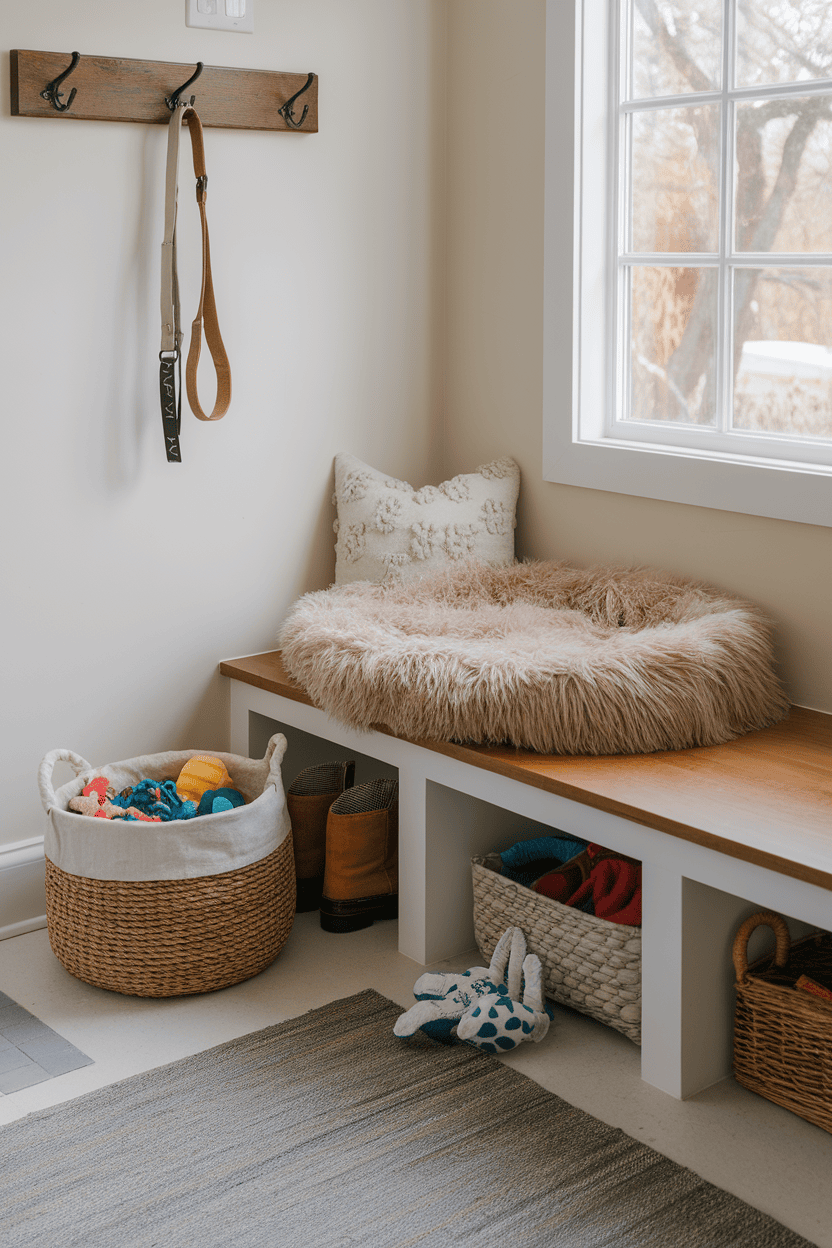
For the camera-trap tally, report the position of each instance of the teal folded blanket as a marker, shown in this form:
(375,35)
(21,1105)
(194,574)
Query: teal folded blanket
(526,861)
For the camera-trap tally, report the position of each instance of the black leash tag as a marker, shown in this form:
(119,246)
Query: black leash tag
(171,408)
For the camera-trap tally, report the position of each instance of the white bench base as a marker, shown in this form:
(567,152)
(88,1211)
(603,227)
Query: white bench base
(694,898)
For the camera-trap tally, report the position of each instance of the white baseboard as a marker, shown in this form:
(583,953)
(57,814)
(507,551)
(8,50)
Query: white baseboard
(22,893)
(20,929)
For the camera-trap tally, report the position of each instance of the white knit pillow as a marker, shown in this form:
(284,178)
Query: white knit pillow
(389,531)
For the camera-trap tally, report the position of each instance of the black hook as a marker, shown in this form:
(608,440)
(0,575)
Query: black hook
(287,112)
(172,101)
(52,93)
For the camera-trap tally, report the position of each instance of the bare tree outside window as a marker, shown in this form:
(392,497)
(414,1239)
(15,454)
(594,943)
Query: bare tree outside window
(725,294)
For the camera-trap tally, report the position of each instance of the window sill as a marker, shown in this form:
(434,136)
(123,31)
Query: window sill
(777,489)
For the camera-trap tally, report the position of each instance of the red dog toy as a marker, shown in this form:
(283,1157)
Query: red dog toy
(94,802)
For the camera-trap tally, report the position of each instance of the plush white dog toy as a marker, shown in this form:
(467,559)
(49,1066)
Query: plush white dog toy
(482,1005)
(501,1023)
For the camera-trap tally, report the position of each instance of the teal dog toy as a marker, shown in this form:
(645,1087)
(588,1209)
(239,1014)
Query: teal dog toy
(498,1024)
(214,801)
(482,1005)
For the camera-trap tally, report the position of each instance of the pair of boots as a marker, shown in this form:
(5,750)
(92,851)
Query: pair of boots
(346,844)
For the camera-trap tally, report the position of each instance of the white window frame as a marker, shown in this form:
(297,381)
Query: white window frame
(578,446)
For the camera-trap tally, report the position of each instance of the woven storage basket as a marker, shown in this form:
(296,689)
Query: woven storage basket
(164,910)
(588,963)
(783,1035)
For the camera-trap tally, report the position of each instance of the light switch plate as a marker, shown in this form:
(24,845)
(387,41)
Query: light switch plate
(233,15)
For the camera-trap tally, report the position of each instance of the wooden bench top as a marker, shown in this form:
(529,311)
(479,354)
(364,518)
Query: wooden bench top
(765,798)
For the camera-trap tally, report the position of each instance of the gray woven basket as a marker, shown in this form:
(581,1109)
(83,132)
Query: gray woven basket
(588,963)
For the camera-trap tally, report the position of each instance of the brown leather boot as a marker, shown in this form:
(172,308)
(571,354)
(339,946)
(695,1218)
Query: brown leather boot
(308,799)
(361,882)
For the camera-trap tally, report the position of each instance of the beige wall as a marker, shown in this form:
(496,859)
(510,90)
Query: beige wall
(125,578)
(494,345)
(352,287)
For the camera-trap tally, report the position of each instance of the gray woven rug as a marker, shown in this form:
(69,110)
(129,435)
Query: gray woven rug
(327,1130)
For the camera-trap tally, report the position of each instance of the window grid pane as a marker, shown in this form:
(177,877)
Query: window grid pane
(676,47)
(663,207)
(674,166)
(779,41)
(673,313)
(782,366)
(791,136)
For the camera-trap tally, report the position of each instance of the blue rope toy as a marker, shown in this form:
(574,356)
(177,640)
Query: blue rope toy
(161,799)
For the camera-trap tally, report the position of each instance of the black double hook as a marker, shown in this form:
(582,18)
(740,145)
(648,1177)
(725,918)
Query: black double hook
(287,112)
(172,100)
(52,93)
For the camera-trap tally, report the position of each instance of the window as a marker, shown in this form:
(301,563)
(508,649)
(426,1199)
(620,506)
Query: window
(702,332)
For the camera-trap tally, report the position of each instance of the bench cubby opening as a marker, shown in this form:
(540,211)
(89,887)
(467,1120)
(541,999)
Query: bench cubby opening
(306,750)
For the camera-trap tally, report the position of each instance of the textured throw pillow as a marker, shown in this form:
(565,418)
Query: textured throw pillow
(389,531)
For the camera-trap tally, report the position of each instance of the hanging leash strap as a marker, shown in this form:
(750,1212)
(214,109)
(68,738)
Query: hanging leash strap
(170,355)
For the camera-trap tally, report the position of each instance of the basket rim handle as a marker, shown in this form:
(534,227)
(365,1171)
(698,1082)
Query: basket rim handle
(275,752)
(763,918)
(47,766)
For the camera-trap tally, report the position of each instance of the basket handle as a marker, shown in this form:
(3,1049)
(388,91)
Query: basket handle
(47,793)
(781,933)
(274,756)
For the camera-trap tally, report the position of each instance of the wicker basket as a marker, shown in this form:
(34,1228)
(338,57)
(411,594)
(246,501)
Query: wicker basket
(782,1035)
(588,963)
(197,927)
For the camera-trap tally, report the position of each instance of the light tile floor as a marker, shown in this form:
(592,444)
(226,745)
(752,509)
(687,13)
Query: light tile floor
(31,1052)
(738,1141)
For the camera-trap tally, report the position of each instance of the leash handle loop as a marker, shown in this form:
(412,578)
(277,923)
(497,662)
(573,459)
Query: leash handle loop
(170,363)
(206,313)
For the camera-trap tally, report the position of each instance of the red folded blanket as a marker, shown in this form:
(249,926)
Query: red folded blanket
(615,887)
(612,887)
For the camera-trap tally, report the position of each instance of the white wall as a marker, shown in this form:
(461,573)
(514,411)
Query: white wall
(494,344)
(126,578)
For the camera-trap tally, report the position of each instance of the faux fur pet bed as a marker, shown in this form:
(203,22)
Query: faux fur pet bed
(540,655)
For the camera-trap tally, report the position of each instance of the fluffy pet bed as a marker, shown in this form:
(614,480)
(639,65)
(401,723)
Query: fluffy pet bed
(540,655)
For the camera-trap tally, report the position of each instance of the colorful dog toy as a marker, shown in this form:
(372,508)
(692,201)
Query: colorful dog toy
(200,773)
(497,1025)
(98,800)
(159,798)
(214,801)
(445,1001)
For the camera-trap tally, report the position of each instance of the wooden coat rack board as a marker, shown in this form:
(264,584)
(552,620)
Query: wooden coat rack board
(108,88)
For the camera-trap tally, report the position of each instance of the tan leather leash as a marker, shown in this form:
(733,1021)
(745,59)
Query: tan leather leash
(170,359)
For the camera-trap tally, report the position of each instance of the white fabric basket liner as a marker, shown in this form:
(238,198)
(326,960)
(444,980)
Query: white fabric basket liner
(106,849)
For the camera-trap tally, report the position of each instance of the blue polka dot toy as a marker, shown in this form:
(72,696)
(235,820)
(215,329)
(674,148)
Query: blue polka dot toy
(482,1005)
(500,1023)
